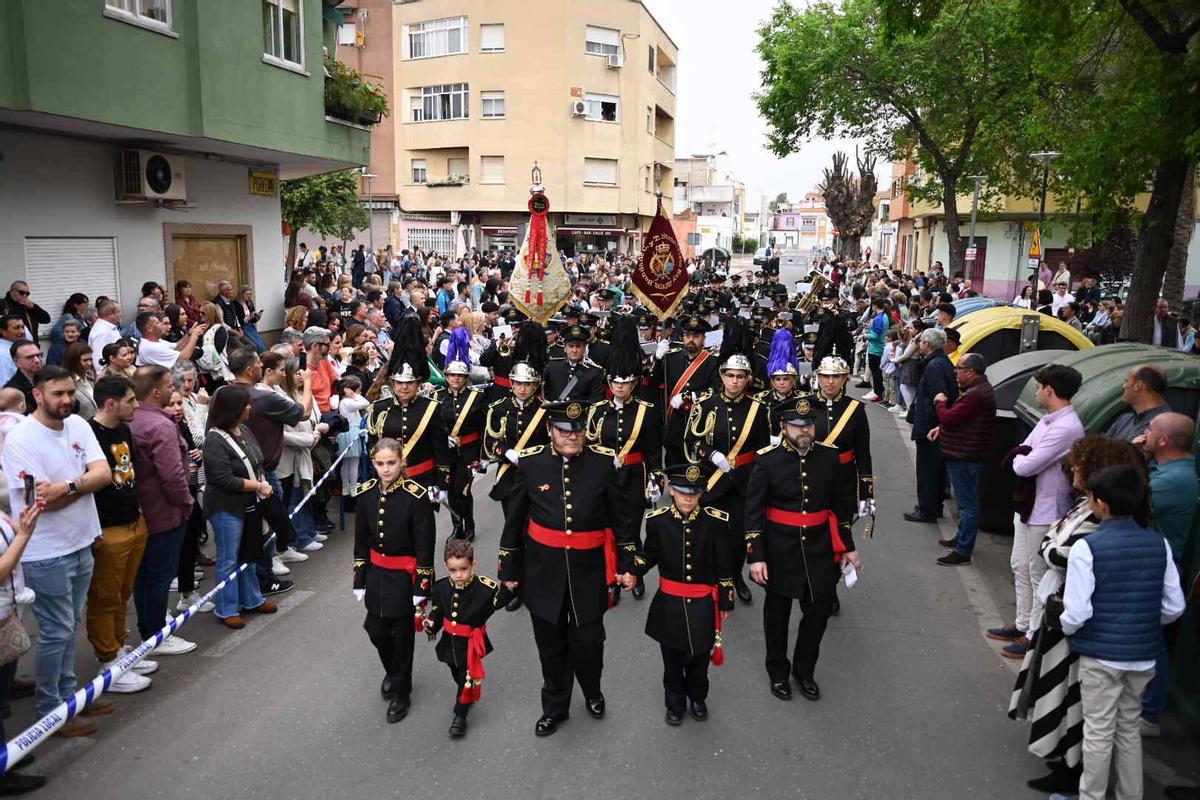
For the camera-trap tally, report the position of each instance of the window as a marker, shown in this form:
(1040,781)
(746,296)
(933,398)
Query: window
(491,169)
(492,105)
(601,107)
(448,101)
(457,166)
(650,59)
(438,37)
(602,41)
(693,239)
(154,14)
(418,171)
(491,38)
(283,26)
(600,171)
(649,120)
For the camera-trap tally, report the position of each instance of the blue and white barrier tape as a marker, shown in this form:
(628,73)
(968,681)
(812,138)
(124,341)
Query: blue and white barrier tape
(24,743)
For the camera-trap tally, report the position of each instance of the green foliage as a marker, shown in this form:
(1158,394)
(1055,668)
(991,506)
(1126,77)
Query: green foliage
(327,204)
(746,245)
(349,96)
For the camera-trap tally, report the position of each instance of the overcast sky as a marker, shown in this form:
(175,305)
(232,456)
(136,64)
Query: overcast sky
(718,70)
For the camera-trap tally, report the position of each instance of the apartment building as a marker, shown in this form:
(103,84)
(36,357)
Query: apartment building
(481,90)
(803,225)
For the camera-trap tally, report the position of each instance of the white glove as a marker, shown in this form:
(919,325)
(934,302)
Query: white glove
(866,507)
(359,594)
(436,495)
(617,462)
(481,468)
(452,440)
(512,455)
(676,401)
(720,462)
(654,492)
(662,348)
(775,440)
(418,600)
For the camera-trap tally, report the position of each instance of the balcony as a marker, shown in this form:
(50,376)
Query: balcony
(665,71)
(350,97)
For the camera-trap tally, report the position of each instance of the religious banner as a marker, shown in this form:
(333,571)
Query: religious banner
(539,285)
(660,279)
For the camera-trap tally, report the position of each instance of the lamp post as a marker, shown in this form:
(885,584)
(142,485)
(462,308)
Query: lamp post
(1045,158)
(974,205)
(370,210)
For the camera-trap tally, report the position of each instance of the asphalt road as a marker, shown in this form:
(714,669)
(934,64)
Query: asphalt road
(913,702)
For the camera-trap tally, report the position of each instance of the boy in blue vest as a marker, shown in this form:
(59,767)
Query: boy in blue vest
(1121,588)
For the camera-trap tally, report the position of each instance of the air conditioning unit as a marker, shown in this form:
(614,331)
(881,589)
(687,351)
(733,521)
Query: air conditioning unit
(146,175)
(578,108)
(615,61)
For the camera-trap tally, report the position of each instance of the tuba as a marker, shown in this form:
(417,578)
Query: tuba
(812,301)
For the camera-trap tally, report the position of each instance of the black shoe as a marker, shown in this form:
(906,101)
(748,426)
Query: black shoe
(595,707)
(808,688)
(954,559)
(1061,779)
(950,543)
(781,689)
(639,591)
(1181,792)
(699,710)
(549,723)
(386,689)
(513,604)
(15,783)
(323,524)
(862,385)
(458,726)
(469,536)
(397,709)
(674,718)
(275,586)
(919,517)
(27,761)
(743,591)
(837,608)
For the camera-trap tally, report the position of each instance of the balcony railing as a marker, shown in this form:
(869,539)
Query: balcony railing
(350,97)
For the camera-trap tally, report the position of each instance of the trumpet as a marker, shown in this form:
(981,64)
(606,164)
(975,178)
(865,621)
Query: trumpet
(811,301)
(505,346)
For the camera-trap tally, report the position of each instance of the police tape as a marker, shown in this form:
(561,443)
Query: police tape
(25,742)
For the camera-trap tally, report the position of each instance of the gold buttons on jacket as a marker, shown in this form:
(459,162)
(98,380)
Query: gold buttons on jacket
(567,493)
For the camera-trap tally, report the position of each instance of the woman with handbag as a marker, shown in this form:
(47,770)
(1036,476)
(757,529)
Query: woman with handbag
(1047,691)
(235,486)
(14,640)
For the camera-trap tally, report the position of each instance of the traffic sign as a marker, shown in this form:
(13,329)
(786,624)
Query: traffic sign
(1035,246)
(1034,263)
(971,253)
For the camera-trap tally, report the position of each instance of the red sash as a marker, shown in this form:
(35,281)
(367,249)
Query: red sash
(580,540)
(846,457)
(422,468)
(402,564)
(695,591)
(633,458)
(810,520)
(476,649)
(466,439)
(502,381)
(744,459)
(686,376)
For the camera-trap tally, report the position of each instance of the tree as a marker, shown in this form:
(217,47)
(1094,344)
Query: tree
(947,93)
(850,203)
(328,204)
(779,200)
(1185,223)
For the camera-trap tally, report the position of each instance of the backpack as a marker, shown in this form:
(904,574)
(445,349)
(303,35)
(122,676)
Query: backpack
(210,360)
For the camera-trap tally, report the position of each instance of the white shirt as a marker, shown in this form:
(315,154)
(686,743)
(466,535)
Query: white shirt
(103,333)
(1081,582)
(8,367)
(160,352)
(51,456)
(1061,300)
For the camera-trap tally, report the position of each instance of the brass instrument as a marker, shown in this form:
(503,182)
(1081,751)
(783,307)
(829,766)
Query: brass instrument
(505,346)
(812,301)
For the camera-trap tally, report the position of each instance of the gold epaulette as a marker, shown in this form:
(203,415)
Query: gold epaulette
(707,393)
(822,444)
(495,403)
(604,451)
(414,488)
(657,512)
(364,486)
(716,513)
(643,402)
(486,581)
(763,451)
(590,363)
(531,451)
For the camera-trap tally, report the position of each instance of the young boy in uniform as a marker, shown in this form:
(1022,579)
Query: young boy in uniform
(462,604)
(688,544)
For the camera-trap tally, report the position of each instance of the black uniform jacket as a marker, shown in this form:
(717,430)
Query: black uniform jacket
(469,406)
(800,560)
(715,426)
(689,549)
(770,400)
(588,377)
(500,364)
(507,423)
(577,494)
(471,605)
(392,419)
(397,521)
(853,438)
(611,426)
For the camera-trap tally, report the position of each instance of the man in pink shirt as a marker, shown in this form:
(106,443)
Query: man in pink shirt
(1039,458)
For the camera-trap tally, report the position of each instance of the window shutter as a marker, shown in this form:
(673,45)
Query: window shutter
(57,267)
(603,36)
(491,169)
(491,37)
(457,166)
(600,170)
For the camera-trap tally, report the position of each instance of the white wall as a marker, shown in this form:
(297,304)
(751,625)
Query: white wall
(56,186)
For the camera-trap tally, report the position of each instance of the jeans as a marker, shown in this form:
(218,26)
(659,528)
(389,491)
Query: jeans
(250,331)
(61,585)
(1154,701)
(285,534)
(306,531)
(901,398)
(118,560)
(152,589)
(242,591)
(964,478)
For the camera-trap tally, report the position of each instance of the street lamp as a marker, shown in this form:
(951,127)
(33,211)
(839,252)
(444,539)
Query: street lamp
(370,211)
(1045,158)
(974,205)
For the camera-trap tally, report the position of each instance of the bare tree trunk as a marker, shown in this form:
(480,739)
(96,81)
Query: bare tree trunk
(291,251)
(1185,223)
(850,248)
(958,250)
(1155,237)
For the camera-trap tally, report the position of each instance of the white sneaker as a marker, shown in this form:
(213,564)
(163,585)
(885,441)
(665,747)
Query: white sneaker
(277,567)
(291,556)
(175,646)
(321,537)
(870,397)
(128,683)
(898,409)
(143,667)
(313,546)
(187,600)
(174,584)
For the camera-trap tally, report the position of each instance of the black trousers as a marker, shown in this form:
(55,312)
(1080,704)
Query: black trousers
(876,369)
(191,546)
(777,612)
(929,478)
(462,501)
(568,652)
(393,640)
(685,677)
(733,503)
(459,673)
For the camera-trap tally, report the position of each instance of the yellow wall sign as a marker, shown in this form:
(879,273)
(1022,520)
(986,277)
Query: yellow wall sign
(265,184)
